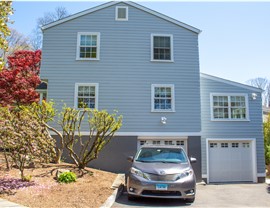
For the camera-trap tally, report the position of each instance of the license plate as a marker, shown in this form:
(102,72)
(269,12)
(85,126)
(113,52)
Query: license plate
(161,186)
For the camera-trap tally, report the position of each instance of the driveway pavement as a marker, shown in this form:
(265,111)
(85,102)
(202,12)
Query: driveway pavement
(219,195)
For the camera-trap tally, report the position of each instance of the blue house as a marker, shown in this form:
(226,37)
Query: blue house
(121,55)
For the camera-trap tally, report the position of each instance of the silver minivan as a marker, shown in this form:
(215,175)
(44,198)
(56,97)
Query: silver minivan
(161,172)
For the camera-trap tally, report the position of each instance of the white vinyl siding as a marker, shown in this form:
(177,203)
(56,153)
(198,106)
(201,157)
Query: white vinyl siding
(88,46)
(86,95)
(121,13)
(162,98)
(162,47)
(229,107)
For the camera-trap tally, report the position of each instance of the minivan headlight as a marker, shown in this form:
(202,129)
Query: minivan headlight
(137,172)
(185,174)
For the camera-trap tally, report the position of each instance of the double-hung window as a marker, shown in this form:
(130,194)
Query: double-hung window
(88,44)
(86,95)
(229,107)
(162,98)
(161,47)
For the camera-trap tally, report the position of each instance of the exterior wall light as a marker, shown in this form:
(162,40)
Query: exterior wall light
(163,120)
(254,96)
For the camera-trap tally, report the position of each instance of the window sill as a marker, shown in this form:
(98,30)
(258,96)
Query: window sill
(86,59)
(230,120)
(121,19)
(162,61)
(162,111)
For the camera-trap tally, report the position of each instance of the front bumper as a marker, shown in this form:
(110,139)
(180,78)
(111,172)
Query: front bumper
(182,189)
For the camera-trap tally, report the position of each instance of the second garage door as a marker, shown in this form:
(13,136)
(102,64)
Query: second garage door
(230,161)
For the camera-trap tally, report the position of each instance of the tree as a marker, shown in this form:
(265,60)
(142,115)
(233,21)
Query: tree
(102,127)
(19,80)
(24,139)
(45,113)
(266,128)
(263,84)
(5,11)
(17,42)
(49,17)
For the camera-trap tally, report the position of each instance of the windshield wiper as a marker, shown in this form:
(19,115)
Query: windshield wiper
(145,161)
(168,161)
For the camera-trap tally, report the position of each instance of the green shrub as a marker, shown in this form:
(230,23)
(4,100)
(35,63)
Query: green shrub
(67,177)
(27,178)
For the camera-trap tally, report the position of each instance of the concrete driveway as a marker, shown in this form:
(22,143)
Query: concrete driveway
(219,195)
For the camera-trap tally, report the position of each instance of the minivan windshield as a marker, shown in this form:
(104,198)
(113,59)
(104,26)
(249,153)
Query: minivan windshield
(163,155)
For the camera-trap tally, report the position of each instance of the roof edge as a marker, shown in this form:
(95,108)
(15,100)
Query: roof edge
(138,6)
(237,84)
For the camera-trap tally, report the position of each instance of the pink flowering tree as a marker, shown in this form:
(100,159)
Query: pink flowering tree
(24,139)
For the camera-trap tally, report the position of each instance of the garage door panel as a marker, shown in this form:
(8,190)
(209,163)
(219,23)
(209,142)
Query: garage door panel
(230,161)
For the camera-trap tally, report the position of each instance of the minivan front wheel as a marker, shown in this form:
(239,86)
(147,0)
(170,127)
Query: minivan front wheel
(190,200)
(131,197)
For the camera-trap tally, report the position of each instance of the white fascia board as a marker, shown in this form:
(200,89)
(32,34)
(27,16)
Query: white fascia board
(150,11)
(229,82)
(88,11)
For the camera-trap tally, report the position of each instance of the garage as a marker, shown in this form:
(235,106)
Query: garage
(231,160)
(177,141)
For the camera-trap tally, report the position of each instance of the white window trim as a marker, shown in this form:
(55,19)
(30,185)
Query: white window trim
(78,45)
(152,47)
(116,13)
(153,96)
(96,85)
(229,94)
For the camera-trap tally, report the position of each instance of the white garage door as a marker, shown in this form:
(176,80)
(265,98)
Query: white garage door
(230,161)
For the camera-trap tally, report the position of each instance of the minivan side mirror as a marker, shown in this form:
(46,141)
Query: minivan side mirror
(130,158)
(193,160)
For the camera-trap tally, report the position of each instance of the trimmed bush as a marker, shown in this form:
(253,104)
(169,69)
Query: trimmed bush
(67,177)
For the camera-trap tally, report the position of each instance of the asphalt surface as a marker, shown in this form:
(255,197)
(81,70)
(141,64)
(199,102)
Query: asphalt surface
(214,195)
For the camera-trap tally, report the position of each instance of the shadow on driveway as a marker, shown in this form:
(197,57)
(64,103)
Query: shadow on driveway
(214,195)
(123,201)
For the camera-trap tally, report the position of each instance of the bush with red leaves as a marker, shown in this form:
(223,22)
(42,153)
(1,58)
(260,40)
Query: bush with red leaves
(20,78)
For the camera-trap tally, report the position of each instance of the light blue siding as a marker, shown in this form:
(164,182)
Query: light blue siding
(231,129)
(124,71)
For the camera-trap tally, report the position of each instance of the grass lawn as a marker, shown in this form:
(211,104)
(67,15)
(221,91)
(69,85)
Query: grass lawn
(88,191)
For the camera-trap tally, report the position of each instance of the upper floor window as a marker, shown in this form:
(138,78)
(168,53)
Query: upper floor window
(88,46)
(229,107)
(162,98)
(161,47)
(121,13)
(86,95)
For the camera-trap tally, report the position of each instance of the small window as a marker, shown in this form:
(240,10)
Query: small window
(213,145)
(245,144)
(224,145)
(156,142)
(180,143)
(86,95)
(168,142)
(161,47)
(162,98)
(142,142)
(121,13)
(235,145)
(88,46)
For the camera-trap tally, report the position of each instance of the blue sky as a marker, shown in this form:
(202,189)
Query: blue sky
(235,39)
